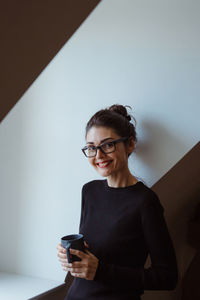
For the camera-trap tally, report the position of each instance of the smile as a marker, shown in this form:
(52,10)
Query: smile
(103,164)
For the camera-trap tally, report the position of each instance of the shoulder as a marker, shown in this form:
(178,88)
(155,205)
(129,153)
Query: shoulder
(92,185)
(150,199)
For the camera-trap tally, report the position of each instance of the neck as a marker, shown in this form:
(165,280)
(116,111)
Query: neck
(121,180)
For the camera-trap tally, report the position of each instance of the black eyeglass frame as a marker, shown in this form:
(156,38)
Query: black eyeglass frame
(100,146)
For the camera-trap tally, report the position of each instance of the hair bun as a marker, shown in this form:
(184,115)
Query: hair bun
(120,109)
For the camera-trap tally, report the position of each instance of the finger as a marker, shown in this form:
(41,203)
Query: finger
(77,264)
(66,264)
(61,252)
(63,260)
(87,251)
(61,255)
(75,270)
(77,253)
(61,249)
(86,245)
(72,270)
(59,246)
(80,275)
(65,268)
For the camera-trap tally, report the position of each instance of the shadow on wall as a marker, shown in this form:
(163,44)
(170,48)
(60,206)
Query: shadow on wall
(150,152)
(36,40)
(179,191)
(190,283)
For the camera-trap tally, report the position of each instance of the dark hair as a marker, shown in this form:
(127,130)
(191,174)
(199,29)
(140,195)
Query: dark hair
(115,117)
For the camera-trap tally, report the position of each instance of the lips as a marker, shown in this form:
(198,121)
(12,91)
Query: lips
(104,164)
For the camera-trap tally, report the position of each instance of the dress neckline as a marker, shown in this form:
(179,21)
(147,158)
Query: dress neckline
(125,188)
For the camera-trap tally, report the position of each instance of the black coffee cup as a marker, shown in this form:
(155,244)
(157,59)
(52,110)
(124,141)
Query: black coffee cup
(74,241)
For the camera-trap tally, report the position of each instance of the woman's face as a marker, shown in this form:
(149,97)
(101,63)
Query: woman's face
(112,163)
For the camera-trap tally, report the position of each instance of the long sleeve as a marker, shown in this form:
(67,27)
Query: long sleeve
(163,273)
(122,226)
(82,210)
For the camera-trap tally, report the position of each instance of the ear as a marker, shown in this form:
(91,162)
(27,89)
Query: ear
(130,145)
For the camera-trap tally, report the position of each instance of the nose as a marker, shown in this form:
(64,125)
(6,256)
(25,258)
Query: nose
(99,153)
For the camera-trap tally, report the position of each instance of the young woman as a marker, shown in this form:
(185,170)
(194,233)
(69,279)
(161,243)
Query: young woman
(121,219)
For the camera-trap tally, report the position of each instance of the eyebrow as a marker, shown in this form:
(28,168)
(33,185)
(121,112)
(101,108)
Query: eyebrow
(101,140)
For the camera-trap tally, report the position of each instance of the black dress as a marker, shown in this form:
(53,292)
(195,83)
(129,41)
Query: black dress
(122,226)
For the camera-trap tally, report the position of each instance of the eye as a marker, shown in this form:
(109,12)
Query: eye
(108,145)
(91,148)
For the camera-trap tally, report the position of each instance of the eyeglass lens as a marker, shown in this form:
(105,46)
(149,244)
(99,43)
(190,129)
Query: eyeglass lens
(107,148)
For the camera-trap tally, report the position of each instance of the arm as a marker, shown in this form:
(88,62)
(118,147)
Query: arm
(162,274)
(82,209)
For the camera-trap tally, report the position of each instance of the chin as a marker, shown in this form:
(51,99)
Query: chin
(102,173)
(106,174)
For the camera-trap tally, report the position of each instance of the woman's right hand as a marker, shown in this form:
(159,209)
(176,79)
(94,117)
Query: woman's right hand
(62,256)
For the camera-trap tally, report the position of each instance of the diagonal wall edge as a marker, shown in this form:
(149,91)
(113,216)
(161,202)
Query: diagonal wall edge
(31,34)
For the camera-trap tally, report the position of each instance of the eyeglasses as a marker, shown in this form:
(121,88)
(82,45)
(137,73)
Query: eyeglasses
(106,148)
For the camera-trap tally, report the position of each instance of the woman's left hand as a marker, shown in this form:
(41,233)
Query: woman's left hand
(86,268)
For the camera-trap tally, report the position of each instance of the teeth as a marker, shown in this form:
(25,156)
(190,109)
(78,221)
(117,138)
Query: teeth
(103,164)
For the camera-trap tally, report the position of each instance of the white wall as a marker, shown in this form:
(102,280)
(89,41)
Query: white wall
(145,54)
